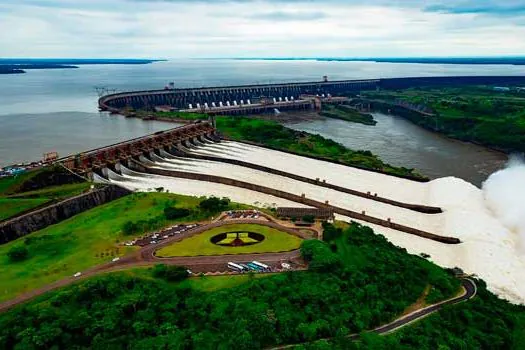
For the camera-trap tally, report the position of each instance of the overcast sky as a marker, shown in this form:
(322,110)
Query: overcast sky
(266,28)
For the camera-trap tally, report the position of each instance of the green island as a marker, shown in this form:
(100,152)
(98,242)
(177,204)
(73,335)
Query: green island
(35,189)
(274,241)
(274,135)
(347,113)
(164,115)
(478,114)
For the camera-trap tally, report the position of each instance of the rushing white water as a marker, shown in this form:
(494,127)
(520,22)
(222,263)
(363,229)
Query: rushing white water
(143,182)
(361,180)
(402,216)
(488,221)
(504,193)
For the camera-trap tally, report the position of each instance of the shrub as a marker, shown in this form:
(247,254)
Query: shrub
(129,228)
(18,253)
(309,218)
(170,273)
(172,213)
(214,204)
(320,256)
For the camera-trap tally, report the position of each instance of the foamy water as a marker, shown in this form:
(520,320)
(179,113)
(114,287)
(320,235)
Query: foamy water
(490,242)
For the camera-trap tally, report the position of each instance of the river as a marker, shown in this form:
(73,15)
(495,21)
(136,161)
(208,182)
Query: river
(401,143)
(56,110)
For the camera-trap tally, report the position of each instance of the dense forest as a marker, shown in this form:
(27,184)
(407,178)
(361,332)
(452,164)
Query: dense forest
(273,134)
(357,281)
(477,114)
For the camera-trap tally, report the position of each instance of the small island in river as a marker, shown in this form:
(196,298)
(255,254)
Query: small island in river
(17,66)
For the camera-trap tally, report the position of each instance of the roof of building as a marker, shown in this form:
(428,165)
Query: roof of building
(323,213)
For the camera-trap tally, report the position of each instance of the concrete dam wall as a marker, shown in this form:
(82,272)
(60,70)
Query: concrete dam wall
(53,214)
(183,98)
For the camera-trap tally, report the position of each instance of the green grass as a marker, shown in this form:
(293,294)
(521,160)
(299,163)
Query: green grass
(213,283)
(230,237)
(10,184)
(347,113)
(88,239)
(275,241)
(274,135)
(56,192)
(172,115)
(12,207)
(201,283)
(14,202)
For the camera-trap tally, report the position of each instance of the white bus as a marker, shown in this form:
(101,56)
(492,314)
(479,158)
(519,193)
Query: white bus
(235,267)
(261,265)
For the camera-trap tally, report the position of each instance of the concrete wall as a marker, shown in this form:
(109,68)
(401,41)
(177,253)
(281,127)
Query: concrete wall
(137,166)
(53,214)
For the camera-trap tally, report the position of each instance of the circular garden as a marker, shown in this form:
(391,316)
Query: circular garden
(233,239)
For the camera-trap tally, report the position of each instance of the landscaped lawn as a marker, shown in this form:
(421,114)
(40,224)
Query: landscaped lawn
(11,207)
(275,241)
(85,240)
(13,202)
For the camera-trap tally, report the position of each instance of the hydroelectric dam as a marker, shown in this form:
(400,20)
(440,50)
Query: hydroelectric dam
(446,219)
(260,98)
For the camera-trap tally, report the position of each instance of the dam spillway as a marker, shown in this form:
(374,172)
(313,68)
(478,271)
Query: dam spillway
(464,213)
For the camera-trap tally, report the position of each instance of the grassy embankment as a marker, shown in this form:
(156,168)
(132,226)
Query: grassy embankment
(86,240)
(275,135)
(476,114)
(357,281)
(17,197)
(274,241)
(173,116)
(347,113)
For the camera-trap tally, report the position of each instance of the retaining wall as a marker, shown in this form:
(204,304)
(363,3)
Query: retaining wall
(53,214)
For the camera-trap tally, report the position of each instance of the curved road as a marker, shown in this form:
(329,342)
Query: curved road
(469,291)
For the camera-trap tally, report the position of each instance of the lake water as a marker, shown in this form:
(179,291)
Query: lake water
(56,110)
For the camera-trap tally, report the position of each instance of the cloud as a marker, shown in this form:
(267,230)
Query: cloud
(266,28)
(289,16)
(492,9)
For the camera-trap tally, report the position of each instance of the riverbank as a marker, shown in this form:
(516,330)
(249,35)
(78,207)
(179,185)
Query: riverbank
(481,115)
(347,113)
(274,135)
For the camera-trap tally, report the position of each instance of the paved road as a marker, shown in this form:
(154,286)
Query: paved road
(469,291)
(146,257)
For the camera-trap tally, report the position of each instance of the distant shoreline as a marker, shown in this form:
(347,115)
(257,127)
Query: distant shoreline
(518,61)
(20,65)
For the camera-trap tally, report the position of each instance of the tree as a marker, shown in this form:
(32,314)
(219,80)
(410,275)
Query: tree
(172,213)
(129,228)
(18,253)
(309,218)
(214,204)
(170,273)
